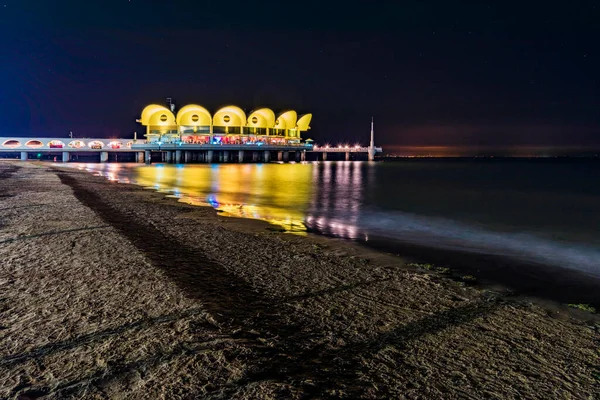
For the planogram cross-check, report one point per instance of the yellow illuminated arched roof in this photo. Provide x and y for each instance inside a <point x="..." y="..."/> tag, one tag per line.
<point x="186" y="116"/>
<point x="303" y="122"/>
<point x="237" y="117"/>
<point x="286" y="120"/>
<point x="162" y="117"/>
<point x="265" y="118"/>
<point x="151" y="110"/>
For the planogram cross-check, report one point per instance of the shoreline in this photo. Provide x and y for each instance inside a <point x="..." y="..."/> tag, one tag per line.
<point x="547" y="285"/>
<point x="159" y="298"/>
<point x="544" y="284"/>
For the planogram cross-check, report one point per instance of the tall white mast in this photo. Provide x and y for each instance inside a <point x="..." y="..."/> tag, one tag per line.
<point x="371" y="150"/>
<point x="372" y="144"/>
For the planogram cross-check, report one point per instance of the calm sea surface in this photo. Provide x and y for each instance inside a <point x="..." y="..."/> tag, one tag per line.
<point x="537" y="211"/>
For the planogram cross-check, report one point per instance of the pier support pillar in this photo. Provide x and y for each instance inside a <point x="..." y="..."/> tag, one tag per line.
<point x="226" y="156"/>
<point x="286" y="156"/>
<point x="280" y="156"/>
<point x="66" y="156"/>
<point x="241" y="156"/>
<point x="371" y="151"/>
<point x="209" y="156"/>
<point x="267" y="156"/>
<point x="303" y="156"/>
<point x="324" y="156"/>
<point x="187" y="156"/>
<point x="139" y="156"/>
<point x="297" y="156"/>
<point x="103" y="156"/>
<point x="347" y="156"/>
<point x="169" y="158"/>
<point x="24" y="156"/>
<point x="255" y="156"/>
<point x="177" y="156"/>
<point x="148" y="157"/>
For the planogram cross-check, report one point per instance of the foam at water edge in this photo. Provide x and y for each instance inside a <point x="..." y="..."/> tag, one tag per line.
<point x="447" y="234"/>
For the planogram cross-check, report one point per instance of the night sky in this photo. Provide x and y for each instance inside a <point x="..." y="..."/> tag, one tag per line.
<point x="431" y="73"/>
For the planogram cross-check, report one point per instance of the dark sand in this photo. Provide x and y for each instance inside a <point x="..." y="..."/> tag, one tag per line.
<point x="110" y="291"/>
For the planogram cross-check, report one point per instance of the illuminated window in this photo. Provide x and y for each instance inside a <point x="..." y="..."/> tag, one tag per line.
<point x="96" y="144"/>
<point x="77" y="144"/>
<point x="195" y="118"/>
<point x="254" y="120"/>
<point x="226" y="118"/>
<point x="163" y="117"/>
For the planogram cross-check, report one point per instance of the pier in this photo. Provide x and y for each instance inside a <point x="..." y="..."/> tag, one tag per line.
<point x="103" y="150"/>
<point x="195" y="135"/>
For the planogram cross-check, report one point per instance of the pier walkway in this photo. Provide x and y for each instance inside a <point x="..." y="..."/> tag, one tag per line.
<point x="178" y="152"/>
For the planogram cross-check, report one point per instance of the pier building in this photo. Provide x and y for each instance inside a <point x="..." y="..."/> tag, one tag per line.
<point x="193" y="134"/>
<point x="194" y="124"/>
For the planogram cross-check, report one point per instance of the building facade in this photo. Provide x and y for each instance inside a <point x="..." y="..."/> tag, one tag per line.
<point x="194" y="124"/>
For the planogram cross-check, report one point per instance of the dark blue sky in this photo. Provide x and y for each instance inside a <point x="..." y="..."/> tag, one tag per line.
<point x="432" y="73"/>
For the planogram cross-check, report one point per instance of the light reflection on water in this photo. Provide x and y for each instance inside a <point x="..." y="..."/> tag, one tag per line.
<point x="546" y="213"/>
<point x="279" y="194"/>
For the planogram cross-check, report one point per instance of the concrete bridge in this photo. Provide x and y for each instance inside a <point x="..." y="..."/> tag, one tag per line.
<point x="177" y="152"/>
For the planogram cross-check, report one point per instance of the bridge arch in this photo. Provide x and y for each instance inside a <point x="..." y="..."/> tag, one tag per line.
<point x="34" y="144"/>
<point x="96" y="144"/>
<point x="56" y="144"/>
<point x="11" y="143"/>
<point x="115" y="144"/>
<point x="76" y="144"/>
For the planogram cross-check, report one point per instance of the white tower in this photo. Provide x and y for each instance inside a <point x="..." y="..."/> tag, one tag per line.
<point x="171" y="104"/>
<point x="371" y="149"/>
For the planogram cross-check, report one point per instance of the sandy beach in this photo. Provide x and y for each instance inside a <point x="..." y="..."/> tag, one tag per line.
<point x="110" y="291"/>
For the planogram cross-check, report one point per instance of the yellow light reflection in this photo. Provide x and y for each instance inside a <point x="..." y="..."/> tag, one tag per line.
<point x="278" y="194"/>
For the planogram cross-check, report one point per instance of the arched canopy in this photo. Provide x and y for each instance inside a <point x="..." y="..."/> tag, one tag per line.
<point x="263" y="118"/>
<point x="303" y="122"/>
<point x="193" y="115"/>
<point x="11" y="143"/>
<point x="150" y="111"/>
<point x="230" y="116"/>
<point x="286" y="120"/>
<point x="34" y="143"/>
<point x="162" y="118"/>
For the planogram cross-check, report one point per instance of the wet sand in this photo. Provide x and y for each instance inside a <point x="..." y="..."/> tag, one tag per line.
<point x="530" y="281"/>
<point x="112" y="291"/>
